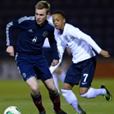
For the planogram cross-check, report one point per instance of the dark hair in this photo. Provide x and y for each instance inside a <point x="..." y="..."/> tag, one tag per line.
<point x="43" y="4"/>
<point x="60" y="13"/>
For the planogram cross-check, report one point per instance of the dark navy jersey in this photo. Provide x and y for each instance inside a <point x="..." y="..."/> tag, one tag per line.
<point x="31" y="36"/>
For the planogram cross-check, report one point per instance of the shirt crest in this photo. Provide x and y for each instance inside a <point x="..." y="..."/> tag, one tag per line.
<point x="45" y="33"/>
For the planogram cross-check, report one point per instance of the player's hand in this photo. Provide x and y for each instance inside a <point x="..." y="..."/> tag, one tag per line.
<point x="10" y="50"/>
<point x="105" y="53"/>
<point x="54" y="62"/>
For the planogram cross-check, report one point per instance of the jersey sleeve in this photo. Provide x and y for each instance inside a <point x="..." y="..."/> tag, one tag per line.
<point x="53" y="44"/>
<point x="17" y="23"/>
<point x="76" y="33"/>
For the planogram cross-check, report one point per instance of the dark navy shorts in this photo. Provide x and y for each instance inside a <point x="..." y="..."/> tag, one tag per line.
<point x="33" y="65"/>
<point x="81" y="73"/>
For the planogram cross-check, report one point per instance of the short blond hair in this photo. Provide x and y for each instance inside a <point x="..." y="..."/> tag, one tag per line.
<point x="43" y="4"/>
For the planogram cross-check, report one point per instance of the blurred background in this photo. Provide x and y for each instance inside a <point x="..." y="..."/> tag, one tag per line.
<point x="94" y="17"/>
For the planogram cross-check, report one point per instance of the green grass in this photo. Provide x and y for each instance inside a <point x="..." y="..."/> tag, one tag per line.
<point x="17" y="93"/>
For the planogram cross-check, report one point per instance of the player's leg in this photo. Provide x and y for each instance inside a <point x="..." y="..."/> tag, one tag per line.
<point x="28" y="74"/>
<point x="48" y="53"/>
<point x="72" y="100"/>
<point x="64" y="66"/>
<point x="58" y="74"/>
<point x="54" y="96"/>
<point x="55" y="78"/>
<point x="35" y="94"/>
<point x="93" y="92"/>
<point x="58" y="77"/>
<point x="46" y="77"/>
<point x="71" y="79"/>
<point x="86" y="90"/>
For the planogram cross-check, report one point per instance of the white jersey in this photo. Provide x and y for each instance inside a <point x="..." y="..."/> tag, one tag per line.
<point x="82" y="46"/>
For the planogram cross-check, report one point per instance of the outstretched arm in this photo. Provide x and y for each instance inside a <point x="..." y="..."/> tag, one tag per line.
<point x="105" y="53"/>
<point x="81" y="35"/>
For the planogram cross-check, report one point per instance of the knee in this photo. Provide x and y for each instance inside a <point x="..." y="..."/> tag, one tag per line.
<point x="83" y="90"/>
<point x="67" y="86"/>
<point x="53" y="94"/>
<point x="32" y="83"/>
<point x="85" y="95"/>
<point x="52" y="90"/>
<point x="34" y="89"/>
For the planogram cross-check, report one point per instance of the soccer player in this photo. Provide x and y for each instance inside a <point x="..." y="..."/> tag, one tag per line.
<point x="48" y="53"/>
<point x="29" y="58"/>
<point x="81" y="71"/>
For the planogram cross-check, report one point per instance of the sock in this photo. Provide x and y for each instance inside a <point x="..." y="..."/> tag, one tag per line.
<point x="71" y="99"/>
<point x="62" y="76"/>
<point x="37" y="99"/>
<point x="55" y="78"/>
<point x="55" y="98"/>
<point x="92" y="93"/>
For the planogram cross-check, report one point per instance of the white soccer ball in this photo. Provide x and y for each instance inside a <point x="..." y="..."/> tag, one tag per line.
<point x="12" y="110"/>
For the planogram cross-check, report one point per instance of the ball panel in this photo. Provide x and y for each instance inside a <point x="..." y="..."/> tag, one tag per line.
<point x="12" y="110"/>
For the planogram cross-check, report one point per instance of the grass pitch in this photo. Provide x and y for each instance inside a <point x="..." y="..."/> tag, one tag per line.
<point x="14" y="92"/>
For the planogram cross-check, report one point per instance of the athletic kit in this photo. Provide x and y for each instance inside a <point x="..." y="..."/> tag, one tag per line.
<point x="29" y="44"/>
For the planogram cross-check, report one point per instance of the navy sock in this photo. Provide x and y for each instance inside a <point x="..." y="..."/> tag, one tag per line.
<point x="55" y="98"/>
<point x="37" y="99"/>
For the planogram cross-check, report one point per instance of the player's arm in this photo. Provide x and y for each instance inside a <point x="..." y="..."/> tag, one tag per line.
<point x="17" y="23"/>
<point x="9" y="37"/>
<point x="104" y="53"/>
<point x="81" y="35"/>
<point x="53" y="46"/>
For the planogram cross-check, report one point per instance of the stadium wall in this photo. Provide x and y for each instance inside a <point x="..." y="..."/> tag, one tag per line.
<point x="105" y="69"/>
<point x="8" y="70"/>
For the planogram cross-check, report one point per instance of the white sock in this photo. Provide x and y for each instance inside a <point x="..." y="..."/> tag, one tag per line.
<point x="71" y="99"/>
<point x="55" y="78"/>
<point x="92" y="93"/>
<point x="62" y="76"/>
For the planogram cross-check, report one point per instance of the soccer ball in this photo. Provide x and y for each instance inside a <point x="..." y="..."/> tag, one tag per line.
<point x="12" y="110"/>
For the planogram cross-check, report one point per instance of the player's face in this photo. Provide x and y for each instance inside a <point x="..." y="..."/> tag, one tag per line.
<point x="58" y="21"/>
<point x="40" y="16"/>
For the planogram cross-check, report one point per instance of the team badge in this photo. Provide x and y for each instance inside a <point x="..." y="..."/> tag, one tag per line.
<point x="45" y="33"/>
